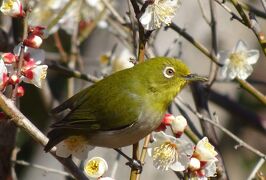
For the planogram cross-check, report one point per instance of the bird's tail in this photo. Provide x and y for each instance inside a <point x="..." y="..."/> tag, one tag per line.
<point x="55" y="136"/>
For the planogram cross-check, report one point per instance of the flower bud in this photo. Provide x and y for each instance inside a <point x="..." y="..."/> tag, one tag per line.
<point x="38" y="31"/>
<point x="33" y="41"/>
<point x="8" y="58"/>
<point x="178" y="125"/>
<point x="14" y="79"/>
<point x="194" y="164"/>
<point x="20" y="91"/>
<point x="12" y="8"/>
<point x="168" y="118"/>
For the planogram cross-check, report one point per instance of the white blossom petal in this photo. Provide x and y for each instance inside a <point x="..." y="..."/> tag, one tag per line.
<point x="252" y="56"/>
<point x="210" y="169"/>
<point x="161" y="11"/>
<point x="168" y="152"/>
<point x="74" y="145"/>
<point x="240" y="47"/>
<point x="205" y="151"/>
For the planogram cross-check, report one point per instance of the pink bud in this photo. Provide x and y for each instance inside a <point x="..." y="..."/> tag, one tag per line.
<point x="8" y="58"/>
<point x="20" y="91"/>
<point x="14" y="79"/>
<point x="178" y="125"/>
<point x="194" y="164"/>
<point x="168" y="118"/>
<point x="33" y="41"/>
<point x="38" y="31"/>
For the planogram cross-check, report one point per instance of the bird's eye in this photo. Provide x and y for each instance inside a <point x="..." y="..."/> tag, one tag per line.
<point x="169" y="72"/>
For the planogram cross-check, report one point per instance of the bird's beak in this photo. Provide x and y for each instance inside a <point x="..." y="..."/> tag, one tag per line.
<point x="195" y="77"/>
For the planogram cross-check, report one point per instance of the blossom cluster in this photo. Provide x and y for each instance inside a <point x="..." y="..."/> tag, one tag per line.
<point x="24" y="63"/>
<point x="175" y="153"/>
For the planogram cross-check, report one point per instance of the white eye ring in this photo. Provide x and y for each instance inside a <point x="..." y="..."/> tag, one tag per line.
<point x="169" y="72"/>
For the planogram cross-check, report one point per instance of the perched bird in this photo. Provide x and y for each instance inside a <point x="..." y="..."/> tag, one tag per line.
<point x="124" y="107"/>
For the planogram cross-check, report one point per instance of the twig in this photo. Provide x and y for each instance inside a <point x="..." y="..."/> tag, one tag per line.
<point x="144" y="152"/>
<point x="74" y="49"/>
<point x="213" y="25"/>
<point x="21" y="53"/>
<point x="263" y="2"/>
<point x="113" y="11"/>
<point x="234" y="16"/>
<point x="44" y="168"/>
<point x="60" y="47"/>
<point x="256" y="169"/>
<point x="257" y="94"/>
<point x="248" y="22"/>
<point x="71" y="73"/>
<point x="226" y="131"/>
<point x="21" y="121"/>
<point x="199" y="46"/>
<point x="59" y="15"/>
<point x="250" y="8"/>
<point x="203" y="12"/>
<point x="135" y="155"/>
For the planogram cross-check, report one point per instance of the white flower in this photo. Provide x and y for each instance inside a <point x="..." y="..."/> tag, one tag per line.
<point x="178" y="125"/>
<point x="36" y="75"/>
<point x="205" y="171"/>
<point x="122" y="62"/>
<point x="95" y="167"/>
<point x="205" y="151"/>
<point x="12" y="8"/>
<point x="3" y="75"/>
<point x="161" y="11"/>
<point x="169" y="152"/>
<point x="239" y="62"/>
<point x="75" y="145"/>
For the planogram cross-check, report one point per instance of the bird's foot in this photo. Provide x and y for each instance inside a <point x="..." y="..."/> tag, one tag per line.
<point x="135" y="164"/>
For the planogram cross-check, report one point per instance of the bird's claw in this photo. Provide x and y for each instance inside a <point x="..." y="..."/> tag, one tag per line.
<point x="135" y="164"/>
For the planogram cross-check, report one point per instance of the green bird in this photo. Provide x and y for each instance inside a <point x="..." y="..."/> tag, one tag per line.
<point x="124" y="107"/>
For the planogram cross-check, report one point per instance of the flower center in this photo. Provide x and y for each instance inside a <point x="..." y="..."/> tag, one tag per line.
<point x="92" y="167"/>
<point x="73" y="143"/>
<point x="237" y="60"/>
<point x="165" y="155"/>
<point x="8" y="5"/>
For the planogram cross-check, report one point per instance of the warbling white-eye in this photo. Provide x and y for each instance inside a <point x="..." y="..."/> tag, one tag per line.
<point x="124" y="107"/>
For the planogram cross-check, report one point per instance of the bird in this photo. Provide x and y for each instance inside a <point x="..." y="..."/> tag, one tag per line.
<point x="124" y="107"/>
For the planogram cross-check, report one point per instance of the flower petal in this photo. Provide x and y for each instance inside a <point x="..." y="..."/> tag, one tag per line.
<point x="95" y="167"/>
<point x="253" y="56"/>
<point x="240" y="47"/>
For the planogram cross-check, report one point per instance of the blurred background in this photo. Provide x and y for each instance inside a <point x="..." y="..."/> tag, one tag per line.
<point x="106" y="40"/>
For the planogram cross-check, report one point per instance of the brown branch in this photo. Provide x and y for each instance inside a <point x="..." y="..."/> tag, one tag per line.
<point x="199" y="46"/>
<point x="21" y="121"/>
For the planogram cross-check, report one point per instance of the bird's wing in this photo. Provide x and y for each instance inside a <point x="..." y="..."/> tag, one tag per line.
<point x="103" y="106"/>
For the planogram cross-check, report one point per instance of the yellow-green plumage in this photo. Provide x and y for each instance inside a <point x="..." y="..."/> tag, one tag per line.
<point x="122" y="108"/>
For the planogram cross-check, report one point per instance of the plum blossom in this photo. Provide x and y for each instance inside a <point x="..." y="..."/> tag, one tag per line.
<point x="170" y="153"/>
<point x="95" y="168"/>
<point x="202" y="164"/>
<point x="239" y="62"/>
<point x="12" y="8"/>
<point x="74" y="145"/>
<point x="158" y="12"/>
